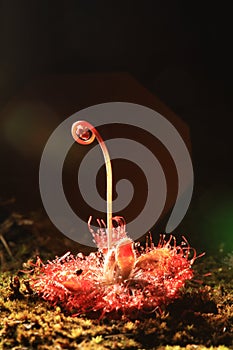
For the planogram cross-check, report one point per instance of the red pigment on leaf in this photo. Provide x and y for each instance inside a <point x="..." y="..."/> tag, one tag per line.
<point x="119" y="279"/>
<point x="79" y="284"/>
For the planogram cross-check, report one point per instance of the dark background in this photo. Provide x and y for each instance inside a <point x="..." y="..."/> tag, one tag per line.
<point x="180" y="51"/>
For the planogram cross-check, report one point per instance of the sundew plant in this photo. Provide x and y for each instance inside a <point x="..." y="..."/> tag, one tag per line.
<point x="121" y="277"/>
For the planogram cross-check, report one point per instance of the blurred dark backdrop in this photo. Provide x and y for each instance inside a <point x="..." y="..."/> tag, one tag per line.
<point x="180" y="51"/>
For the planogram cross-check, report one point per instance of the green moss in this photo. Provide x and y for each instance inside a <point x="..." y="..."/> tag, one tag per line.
<point x="201" y="319"/>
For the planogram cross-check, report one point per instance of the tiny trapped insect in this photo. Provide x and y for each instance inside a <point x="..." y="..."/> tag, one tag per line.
<point x="120" y="278"/>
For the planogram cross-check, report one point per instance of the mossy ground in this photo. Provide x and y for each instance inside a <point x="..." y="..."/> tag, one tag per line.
<point x="202" y="317"/>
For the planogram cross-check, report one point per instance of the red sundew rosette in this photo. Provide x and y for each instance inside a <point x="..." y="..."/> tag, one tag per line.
<point x="155" y="280"/>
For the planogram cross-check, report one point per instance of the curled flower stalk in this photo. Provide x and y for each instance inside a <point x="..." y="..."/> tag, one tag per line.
<point x="120" y="256"/>
<point x="85" y="133"/>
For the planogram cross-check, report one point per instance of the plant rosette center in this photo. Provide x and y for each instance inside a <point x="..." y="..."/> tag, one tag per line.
<point x="123" y="281"/>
